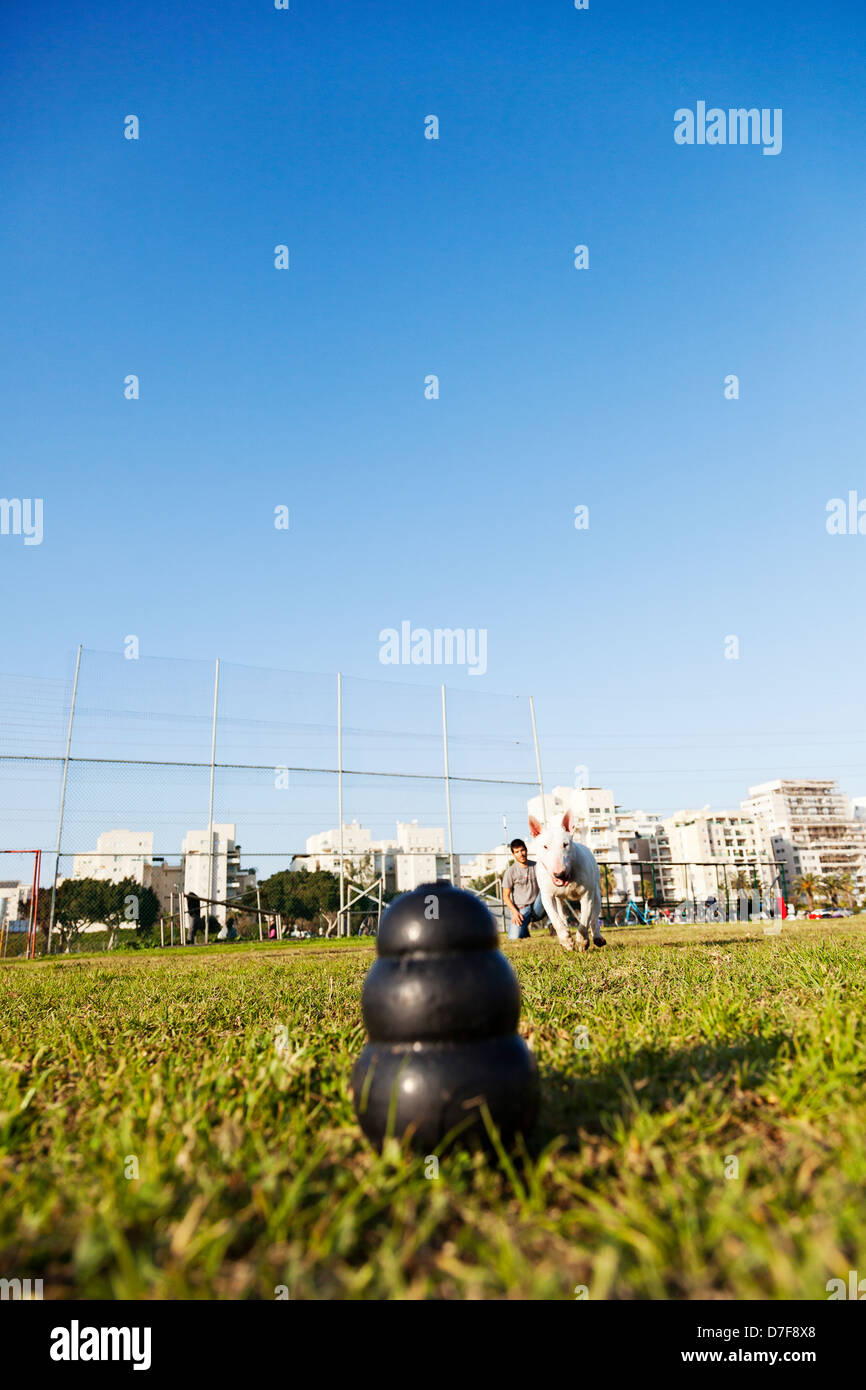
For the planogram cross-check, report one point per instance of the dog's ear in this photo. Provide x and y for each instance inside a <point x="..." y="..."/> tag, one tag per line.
<point x="567" y="822"/>
<point x="534" y="827"/>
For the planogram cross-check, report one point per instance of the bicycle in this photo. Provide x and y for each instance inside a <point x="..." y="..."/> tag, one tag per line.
<point x="627" y="916"/>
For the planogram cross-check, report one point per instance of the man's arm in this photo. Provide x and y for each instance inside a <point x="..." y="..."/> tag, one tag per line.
<point x="516" y="914"/>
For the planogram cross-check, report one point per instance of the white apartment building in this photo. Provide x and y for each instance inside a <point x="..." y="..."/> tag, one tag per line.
<point x="808" y="825"/>
<point x="212" y="870"/>
<point x="701" y="853"/>
<point x="495" y="861"/>
<point x="420" y="856"/>
<point x="359" y="848"/>
<point x="858" y="808"/>
<point x="357" y="841"/>
<point x="639" y="824"/>
<point x="119" y="854"/>
<point x="416" y="856"/>
<point x="14" y="896"/>
<point x="413" y="838"/>
<point x="642" y="838"/>
<point x="415" y="869"/>
<point x="124" y="854"/>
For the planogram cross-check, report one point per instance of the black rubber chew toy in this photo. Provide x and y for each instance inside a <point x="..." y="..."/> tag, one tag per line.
<point x="441" y="1005"/>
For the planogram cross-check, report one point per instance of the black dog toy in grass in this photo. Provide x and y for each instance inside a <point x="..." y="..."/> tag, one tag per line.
<point x="441" y="1006"/>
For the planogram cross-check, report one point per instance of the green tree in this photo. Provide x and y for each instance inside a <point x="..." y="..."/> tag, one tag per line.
<point x="807" y="886"/>
<point x="85" y="902"/>
<point x="486" y="881"/>
<point x="127" y="904"/>
<point x="362" y="871"/>
<point x="299" y="896"/>
<point x="832" y="886"/>
<point x="77" y="904"/>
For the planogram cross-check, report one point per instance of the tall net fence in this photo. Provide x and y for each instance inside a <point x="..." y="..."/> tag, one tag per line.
<point x="181" y="801"/>
<point x="182" y="779"/>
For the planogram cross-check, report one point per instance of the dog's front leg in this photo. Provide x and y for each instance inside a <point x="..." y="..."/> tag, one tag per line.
<point x="596" y="921"/>
<point x="556" y="913"/>
<point x="585" y="918"/>
<point x="590" y="912"/>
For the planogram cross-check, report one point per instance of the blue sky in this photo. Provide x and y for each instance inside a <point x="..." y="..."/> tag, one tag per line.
<point x="557" y="387"/>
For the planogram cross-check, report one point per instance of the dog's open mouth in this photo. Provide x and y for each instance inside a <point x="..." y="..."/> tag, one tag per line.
<point x="560" y="880"/>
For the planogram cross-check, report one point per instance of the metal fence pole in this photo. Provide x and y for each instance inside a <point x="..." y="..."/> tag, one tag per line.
<point x="757" y="891"/>
<point x="63" y="799"/>
<point x="447" y="789"/>
<point x="537" y="759"/>
<point x="210" y="887"/>
<point x="340" y="791"/>
<point x="34" y="904"/>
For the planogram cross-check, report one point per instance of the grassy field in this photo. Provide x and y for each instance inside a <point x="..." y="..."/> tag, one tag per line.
<point x="669" y="1061"/>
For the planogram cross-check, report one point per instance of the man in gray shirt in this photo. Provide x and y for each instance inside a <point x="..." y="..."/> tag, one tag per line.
<point x="520" y="891"/>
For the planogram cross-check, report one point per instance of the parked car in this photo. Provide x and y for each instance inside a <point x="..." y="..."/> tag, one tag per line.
<point x="820" y="912"/>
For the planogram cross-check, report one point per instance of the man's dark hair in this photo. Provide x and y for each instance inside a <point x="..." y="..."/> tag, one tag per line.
<point x="517" y="844"/>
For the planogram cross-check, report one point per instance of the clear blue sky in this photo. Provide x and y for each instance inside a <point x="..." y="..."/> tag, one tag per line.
<point x="454" y="257"/>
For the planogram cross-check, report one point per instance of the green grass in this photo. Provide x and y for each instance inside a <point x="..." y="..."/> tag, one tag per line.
<point x="706" y="1044"/>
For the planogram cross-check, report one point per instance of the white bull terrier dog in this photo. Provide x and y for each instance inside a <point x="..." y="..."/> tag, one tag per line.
<point x="566" y="869"/>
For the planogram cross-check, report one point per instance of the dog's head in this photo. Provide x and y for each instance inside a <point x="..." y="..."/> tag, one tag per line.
<point x="554" y="842"/>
